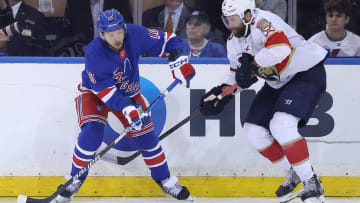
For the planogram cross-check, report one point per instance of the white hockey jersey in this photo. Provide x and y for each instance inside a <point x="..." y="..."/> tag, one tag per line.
<point x="347" y="47"/>
<point x="279" y="51"/>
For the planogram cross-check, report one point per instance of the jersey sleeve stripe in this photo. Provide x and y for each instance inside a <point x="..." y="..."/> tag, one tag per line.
<point x="106" y="93"/>
<point x="232" y="69"/>
<point x="277" y="38"/>
<point x="281" y="67"/>
<point x="83" y="89"/>
<point x="275" y="45"/>
<point x="167" y="37"/>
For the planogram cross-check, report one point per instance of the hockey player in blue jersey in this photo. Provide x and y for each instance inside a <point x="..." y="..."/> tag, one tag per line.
<point x="110" y="82"/>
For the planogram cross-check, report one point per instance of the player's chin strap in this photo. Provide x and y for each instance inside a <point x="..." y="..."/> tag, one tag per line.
<point x="247" y="26"/>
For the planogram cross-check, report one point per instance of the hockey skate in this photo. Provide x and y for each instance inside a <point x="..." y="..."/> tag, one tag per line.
<point x="69" y="192"/>
<point x="171" y="187"/>
<point x="285" y="191"/>
<point x="313" y="191"/>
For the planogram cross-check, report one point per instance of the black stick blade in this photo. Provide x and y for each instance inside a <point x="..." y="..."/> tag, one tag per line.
<point x="25" y="199"/>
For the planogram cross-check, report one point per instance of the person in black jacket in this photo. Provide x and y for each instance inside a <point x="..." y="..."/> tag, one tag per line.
<point x="158" y="17"/>
<point x="23" y="29"/>
<point x="80" y="16"/>
<point x="80" y="28"/>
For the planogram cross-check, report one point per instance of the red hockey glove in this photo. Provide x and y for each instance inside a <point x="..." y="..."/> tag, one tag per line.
<point x="182" y="70"/>
<point x="133" y="115"/>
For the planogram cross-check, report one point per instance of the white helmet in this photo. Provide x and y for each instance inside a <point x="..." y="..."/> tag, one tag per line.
<point x="238" y="7"/>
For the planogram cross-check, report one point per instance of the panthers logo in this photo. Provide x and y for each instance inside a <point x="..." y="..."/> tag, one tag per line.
<point x="269" y="73"/>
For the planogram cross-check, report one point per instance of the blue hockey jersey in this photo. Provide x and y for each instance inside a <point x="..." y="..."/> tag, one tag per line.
<point x="114" y="76"/>
<point x="211" y="49"/>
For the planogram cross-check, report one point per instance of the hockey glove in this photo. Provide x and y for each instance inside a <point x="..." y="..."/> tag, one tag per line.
<point x="210" y="104"/>
<point x="245" y="76"/>
<point x="134" y="115"/>
<point x="182" y="70"/>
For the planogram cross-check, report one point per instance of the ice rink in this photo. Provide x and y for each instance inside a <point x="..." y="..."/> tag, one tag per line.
<point x="200" y="200"/>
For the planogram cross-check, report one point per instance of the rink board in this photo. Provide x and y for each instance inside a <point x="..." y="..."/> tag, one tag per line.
<point x="40" y="128"/>
<point x="146" y="187"/>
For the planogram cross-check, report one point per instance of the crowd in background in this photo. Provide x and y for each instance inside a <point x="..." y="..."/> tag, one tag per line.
<point x="333" y="24"/>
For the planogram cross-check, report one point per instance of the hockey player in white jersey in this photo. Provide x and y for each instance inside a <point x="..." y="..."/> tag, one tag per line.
<point x="336" y="39"/>
<point x="263" y="45"/>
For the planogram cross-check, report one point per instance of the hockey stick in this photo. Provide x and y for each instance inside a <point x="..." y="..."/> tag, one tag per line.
<point x="126" y="160"/>
<point x="25" y="199"/>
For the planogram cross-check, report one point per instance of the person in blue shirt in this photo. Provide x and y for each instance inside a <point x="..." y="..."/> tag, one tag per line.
<point x="196" y="44"/>
<point x="110" y="82"/>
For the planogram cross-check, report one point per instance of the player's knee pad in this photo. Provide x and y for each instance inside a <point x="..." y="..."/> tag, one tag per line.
<point x="284" y="127"/>
<point x="91" y="136"/>
<point x="257" y="136"/>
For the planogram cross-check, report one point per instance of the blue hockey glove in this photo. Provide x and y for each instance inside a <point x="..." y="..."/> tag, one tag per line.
<point x="134" y="114"/>
<point x="245" y="76"/>
<point x="182" y="70"/>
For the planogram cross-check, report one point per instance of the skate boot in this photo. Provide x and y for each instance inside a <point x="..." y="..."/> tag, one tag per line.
<point x="285" y="191"/>
<point x="171" y="187"/>
<point x="313" y="191"/>
<point x="69" y="192"/>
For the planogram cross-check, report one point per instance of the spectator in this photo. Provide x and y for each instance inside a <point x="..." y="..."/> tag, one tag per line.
<point x="196" y="45"/>
<point x="221" y="33"/>
<point x="26" y="35"/>
<point x="81" y="26"/>
<point x="279" y="7"/>
<point x="158" y="17"/>
<point x="336" y="39"/>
